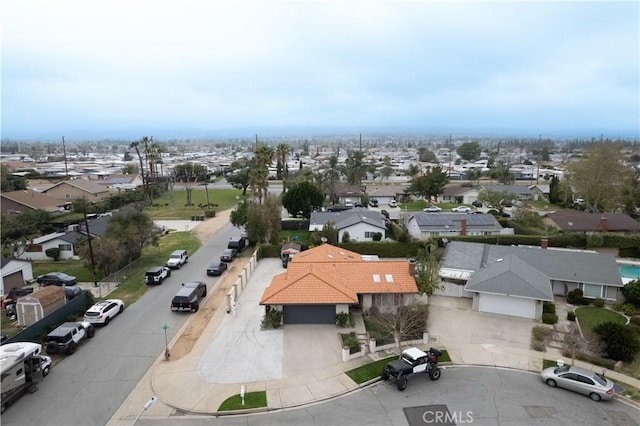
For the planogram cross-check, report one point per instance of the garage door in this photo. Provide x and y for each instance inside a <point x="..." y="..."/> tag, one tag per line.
<point x="310" y="314"/>
<point x="514" y="306"/>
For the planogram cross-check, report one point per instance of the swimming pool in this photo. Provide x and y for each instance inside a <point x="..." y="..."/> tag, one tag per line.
<point x="630" y="271"/>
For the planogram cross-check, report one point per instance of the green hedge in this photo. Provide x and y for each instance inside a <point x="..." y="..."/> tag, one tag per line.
<point x="628" y="245"/>
<point x="549" y="318"/>
<point x="382" y="249"/>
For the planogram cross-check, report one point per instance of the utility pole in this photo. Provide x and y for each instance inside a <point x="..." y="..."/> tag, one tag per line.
<point x="539" y="157"/>
<point x="93" y="262"/>
<point x="64" y="153"/>
<point x="449" y="173"/>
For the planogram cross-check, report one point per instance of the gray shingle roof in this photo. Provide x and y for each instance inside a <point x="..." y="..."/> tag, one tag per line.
<point x="514" y="189"/>
<point x="348" y="218"/>
<point x="453" y="219"/>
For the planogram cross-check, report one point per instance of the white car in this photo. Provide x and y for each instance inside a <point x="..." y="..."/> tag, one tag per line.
<point x="102" y="312"/>
<point x="393" y="203"/>
<point x="432" y="209"/>
<point x="461" y="209"/>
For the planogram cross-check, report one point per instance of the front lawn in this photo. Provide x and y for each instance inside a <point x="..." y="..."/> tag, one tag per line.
<point x="251" y="400"/>
<point x="75" y="268"/>
<point x="591" y="316"/>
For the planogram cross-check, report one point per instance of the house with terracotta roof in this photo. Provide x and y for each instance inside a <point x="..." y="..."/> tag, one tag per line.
<point x="577" y="221"/>
<point x="26" y="200"/>
<point x="324" y="281"/>
<point x="361" y="224"/>
<point x="76" y="189"/>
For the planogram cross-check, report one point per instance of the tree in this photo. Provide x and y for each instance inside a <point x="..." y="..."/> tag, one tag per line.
<point x="190" y="172"/>
<point x="11" y="182"/>
<point x="240" y="179"/>
<point x="385" y="172"/>
<point x="502" y="172"/>
<point x="134" y="230"/>
<point x="282" y="151"/>
<point x="469" y="151"/>
<point x="426" y="156"/>
<point x="554" y="190"/>
<point x="599" y="177"/>
<point x="302" y="198"/>
<point x="263" y="220"/>
<point x="621" y="343"/>
<point x="494" y="199"/>
<point x="575" y="345"/>
<point x="630" y="194"/>
<point x="332" y="176"/>
<point x="259" y="173"/>
<point x="328" y="231"/>
<point x="427" y="271"/>
<point x="405" y="322"/>
<point x="428" y="185"/>
<point x="412" y="170"/>
<point x="631" y="292"/>
<point x="145" y="180"/>
<point x="19" y="229"/>
<point x="474" y="174"/>
<point x="238" y="217"/>
<point x="130" y="169"/>
<point x="354" y="167"/>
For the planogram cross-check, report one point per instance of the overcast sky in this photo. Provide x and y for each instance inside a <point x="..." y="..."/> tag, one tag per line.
<point x="112" y="69"/>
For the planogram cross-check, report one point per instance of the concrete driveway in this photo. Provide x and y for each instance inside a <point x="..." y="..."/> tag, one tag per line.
<point x="451" y="321"/>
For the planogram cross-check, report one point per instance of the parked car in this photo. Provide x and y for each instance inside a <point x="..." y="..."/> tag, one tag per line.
<point x="412" y="361"/>
<point x="216" y="268"/>
<point x="228" y="255"/>
<point x="477" y="203"/>
<point x="102" y="312"/>
<point x="432" y="209"/>
<point x="337" y="208"/>
<point x="45" y="364"/>
<point x="373" y="202"/>
<point x="358" y="204"/>
<point x="580" y="380"/>
<point x="177" y="259"/>
<point x="67" y="336"/>
<point x="505" y="214"/>
<point x="393" y="203"/>
<point x="56" y="278"/>
<point x="189" y="296"/>
<point x="71" y="291"/>
<point x="157" y="274"/>
<point x="461" y="209"/>
<point x="237" y="243"/>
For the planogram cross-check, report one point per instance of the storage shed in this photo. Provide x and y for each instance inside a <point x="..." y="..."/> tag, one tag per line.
<point x="32" y="308"/>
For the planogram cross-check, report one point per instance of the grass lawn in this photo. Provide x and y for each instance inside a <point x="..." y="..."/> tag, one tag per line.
<point x="251" y="400"/>
<point x="299" y="236"/>
<point x="172" y="204"/>
<point x="75" y="268"/>
<point x="591" y="316"/>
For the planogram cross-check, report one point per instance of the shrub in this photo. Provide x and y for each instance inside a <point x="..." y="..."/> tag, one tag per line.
<point x="549" y="318"/>
<point x="627" y="308"/>
<point x="342" y="319"/>
<point x="571" y="316"/>
<point x="621" y="342"/>
<point x="633" y="327"/>
<point x="351" y="341"/>
<point x="595" y="240"/>
<point x="377" y="236"/>
<point x="631" y="292"/>
<point x="540" y="336"/>
<point x="272" y="319"/>
<point x="346" y="237"/>
<point x="635" y="321"/>
<point x="599" y="302"/>
<point x="209" y="213"/>
<point x="575" y="297"/>
<point x="548" y="308"/>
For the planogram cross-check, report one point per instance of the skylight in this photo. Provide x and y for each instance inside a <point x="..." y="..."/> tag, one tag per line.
<point x="388" y="277"/>
<point x="376" y="278"/>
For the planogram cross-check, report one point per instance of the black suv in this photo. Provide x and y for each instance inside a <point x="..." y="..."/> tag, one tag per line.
<point x="237" y="243"/>
<point x="156" y="274"/>
<point x="189" y="296"/>
<point x="67" y="337"/>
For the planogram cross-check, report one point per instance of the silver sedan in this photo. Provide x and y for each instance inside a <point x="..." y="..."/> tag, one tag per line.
<point x="579" y="380"/>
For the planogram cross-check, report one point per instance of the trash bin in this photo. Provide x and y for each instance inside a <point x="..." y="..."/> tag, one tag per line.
<point x="193" y="218"/>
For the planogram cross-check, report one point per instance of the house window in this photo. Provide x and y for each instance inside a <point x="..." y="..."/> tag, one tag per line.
<point x="34" y="248"/>
<point x="67" y="196"/>
<point x="369" y="234"/>
<point x="65" y="247"/>
<point x="592" y="290"/>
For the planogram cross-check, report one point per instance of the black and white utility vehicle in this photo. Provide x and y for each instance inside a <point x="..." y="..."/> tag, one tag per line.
<point x="67" y="337"/>
<point x="157" y="274"/>
<point x="412" y="361"/>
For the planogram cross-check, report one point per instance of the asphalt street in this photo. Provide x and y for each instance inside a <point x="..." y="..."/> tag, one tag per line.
<point x="463" y="395"/>
<point x="87" y="387"/>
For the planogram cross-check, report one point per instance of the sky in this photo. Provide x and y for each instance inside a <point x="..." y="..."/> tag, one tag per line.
<point x="186" y="69"/>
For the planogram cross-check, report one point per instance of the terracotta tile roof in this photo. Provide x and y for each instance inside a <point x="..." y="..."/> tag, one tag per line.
<point x="326" y="281"/>
<point x="327" y="253"/>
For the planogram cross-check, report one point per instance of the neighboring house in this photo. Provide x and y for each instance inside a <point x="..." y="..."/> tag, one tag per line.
<point x="15" y="273"/>
<point x="427" y="225"/>
<point x="327" y="280"/>
<point x="459" y="194"/>
<point x="522" y="192"/>
<point x="589" y="223"/>
<point x="516" y="280"/>
<point x="540" y="192"/>
<point x="384" y="194"/>
<point x="76" y="189"/>
<point x="344" y="192"/>
<point x="26" y="200"/>
<point x="65" y="241"/>
<point x="361" y="224"/>
<point x="37" y="305"/>
<point x="39" y="185"/>
<point x="119" y="181"/>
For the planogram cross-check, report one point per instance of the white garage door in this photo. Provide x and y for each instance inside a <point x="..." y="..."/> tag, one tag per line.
<point x="514" y="306"/>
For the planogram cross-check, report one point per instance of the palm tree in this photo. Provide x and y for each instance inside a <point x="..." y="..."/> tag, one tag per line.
<point x="136" y="145"/>
<point x="282" y="151"/>
<point x="259" y="174"/>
